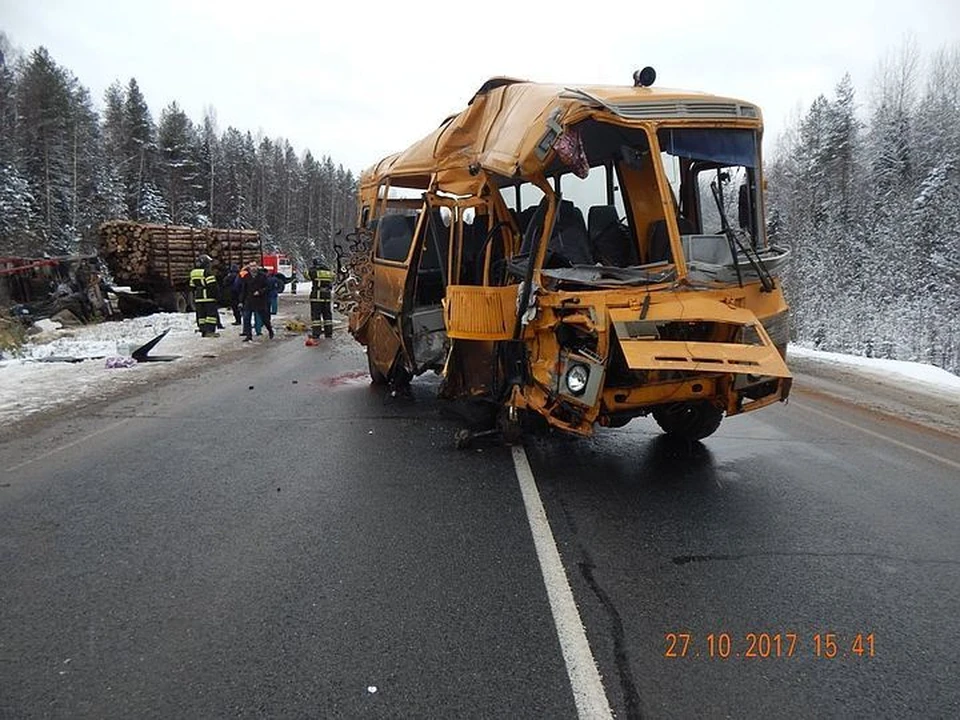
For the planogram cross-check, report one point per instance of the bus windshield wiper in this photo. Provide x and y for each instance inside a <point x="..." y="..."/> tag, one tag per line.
<point x="766" y="280"/>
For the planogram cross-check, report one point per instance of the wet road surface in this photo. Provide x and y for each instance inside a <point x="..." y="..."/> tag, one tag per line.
<point x="276" y="538"/>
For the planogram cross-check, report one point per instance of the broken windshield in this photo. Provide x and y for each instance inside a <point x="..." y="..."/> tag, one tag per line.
<point x="694" y="159"/>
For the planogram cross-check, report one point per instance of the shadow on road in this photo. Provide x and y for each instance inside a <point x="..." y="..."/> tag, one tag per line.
<point x="629" y="461"/>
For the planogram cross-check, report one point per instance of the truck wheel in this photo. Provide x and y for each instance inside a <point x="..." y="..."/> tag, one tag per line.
<point x="689" y="420"/>
<point x="168" y="301"/>
<point x="184" y="302"/>
<point x="376" y="377"/>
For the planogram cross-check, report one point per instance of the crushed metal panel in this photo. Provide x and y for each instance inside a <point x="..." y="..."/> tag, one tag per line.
<point x="388" y="285"/>
<point x="635" y="329"/>
<point x="480" y="313"/>
<point x="704" y="357"/>
<point x="690" y="309"/>
<point x="383" y="343"/>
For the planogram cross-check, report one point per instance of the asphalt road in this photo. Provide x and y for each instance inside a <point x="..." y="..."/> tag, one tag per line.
<point x="275" y="538"/>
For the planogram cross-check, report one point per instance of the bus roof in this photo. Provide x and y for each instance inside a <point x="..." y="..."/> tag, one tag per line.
<point x="507" y="119"/>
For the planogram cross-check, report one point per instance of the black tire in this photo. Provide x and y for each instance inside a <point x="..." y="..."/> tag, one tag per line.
<point x="376" y="377"/>
<point x="184" y="301"/>
<point x="688" y="420"/>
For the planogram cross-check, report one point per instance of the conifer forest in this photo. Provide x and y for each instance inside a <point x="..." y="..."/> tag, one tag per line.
<point x="864" y="188"/>
<point x="66" y="166"/>
<point x="866" y="192"/>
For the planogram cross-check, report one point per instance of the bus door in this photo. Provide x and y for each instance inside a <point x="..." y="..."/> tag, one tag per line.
<point x="424" y="332"/>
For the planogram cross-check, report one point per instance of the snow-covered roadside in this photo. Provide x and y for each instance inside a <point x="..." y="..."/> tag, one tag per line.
<point x="915" y="391"/>
<point x="927" y="375"/>
<point x="29" y="386"/>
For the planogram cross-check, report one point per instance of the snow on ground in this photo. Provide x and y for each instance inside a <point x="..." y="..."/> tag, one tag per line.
<point x="29" y="385"/>
<point x="927" y="376"/>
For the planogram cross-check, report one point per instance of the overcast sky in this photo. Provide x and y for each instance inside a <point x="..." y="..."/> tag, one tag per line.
<point x="360" y="79"/>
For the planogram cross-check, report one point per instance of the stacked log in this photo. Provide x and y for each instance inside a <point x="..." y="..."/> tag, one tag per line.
<point x="139" y="253"/>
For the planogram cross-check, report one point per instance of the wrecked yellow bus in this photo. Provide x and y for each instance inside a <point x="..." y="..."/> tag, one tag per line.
<point x="582" y="254"/>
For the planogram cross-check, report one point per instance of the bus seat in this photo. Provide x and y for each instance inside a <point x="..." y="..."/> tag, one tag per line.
<point x="611" y="245"/>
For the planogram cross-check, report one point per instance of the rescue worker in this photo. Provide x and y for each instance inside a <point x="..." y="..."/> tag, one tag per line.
<point x="321" y="305"/>
<point x="205" y="296"/>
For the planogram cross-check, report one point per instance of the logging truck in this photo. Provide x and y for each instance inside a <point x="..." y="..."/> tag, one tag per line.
<point x="582" y="254"/>
<point x="156" y="260"/>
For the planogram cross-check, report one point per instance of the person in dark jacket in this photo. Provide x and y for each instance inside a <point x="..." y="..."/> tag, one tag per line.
<point x="231" y="293"/>
<point x="274" y="288"/>
<point x="255" y="290"/>
<point x="205" y="296"/>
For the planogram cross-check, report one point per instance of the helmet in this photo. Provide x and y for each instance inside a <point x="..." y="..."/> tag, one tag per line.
<point x="204" y="261"/>
<point x="317" y="262"/>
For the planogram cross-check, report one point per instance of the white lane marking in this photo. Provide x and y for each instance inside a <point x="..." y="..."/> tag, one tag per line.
<point x="69" y="445"/>
<point x="588" y="692"/>
<point x="887" y="438"/>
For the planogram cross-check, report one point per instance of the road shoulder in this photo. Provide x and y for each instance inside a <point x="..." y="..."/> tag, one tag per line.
<point x="926" y="405"/>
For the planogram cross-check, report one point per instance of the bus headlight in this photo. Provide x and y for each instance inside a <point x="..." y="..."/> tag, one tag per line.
<point x="577" y="377"/>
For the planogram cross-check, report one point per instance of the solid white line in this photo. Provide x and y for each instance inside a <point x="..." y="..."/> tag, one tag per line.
<point x="588" y="692"/>
<point x="887" y="438"/>
<point x="55" y="450"/>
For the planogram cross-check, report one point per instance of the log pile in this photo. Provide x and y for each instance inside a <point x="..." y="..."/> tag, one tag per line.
<point x="138" y="253"/>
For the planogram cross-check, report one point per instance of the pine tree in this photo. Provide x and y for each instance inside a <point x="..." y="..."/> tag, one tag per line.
<point x="178" y="166"/>
<point x="17" y="213"/>
<point x="91" y="185"/>
<point x="138" y="167"/>
<point x="8" y="105"/>
<point x="44" y="138"/>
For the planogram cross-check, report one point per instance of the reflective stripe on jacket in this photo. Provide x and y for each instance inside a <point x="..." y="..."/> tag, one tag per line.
<point x="201" y="281"/>
<point x="319" y="275"/>
<point x="322" y="280"/>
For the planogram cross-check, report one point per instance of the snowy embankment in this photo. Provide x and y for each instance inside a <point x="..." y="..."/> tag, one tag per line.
<point x="926" y="375"/>
<point x="30" y="383"/>
<point x="914" y="391"/>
